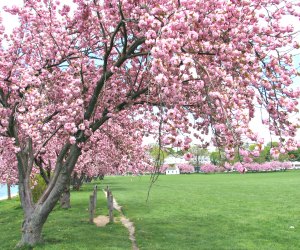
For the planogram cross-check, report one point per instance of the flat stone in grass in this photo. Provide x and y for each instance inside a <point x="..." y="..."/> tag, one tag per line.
<point x="101" y="221"/>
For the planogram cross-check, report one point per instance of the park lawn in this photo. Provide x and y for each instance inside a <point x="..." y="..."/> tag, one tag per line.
<point x="214" y="211"/>
<point x="66" y="229"/>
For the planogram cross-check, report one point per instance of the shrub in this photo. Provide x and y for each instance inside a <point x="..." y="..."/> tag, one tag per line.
<point x="262" y="167"/>
<point x="186" y="168"/>
<point x="208" y="168"/>
<point x="38" y="186"/>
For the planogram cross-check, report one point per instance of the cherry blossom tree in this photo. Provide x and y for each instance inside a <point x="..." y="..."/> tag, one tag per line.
<point x="268" y="166"/>
<point x="71" y="73"/>
<point x="186" y="168"/>
<point x="108" y="152"/>
<point x="245" y="167"/>
<point x="199" y="156"/>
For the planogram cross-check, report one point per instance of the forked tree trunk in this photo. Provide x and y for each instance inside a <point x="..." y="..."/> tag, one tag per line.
<point x="35" y="215"/>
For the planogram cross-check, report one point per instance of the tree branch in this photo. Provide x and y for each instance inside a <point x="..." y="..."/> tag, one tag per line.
<point x="107" y="75"/>
<point x="98" y="123"/>
<point x="39" y="162"/>
<point x="48" y="118"/>
<point x="58" y="167"/>
<point x="47" y="140"/>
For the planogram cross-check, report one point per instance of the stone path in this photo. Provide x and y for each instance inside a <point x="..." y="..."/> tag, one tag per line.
<point x="101" y="221"/>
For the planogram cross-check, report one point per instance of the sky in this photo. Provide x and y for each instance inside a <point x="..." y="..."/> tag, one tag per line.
<point x="11" y="21"/>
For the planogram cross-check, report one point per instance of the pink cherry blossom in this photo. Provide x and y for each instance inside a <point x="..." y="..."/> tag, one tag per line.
<point x="81" y="85"/>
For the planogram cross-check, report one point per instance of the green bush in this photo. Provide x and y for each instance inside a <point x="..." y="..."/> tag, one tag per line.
<point x="38" y="187"/>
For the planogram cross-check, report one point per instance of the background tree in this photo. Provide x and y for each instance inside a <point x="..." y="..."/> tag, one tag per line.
<point x="265" y="153"/>
<point x="199" y="156"/>
<point x="156" y="152"/>
<point x="294" y="155"/>
<point x="217" y="157"/>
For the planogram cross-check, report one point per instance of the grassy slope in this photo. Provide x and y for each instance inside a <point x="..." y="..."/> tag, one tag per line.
<point x="218" y="211"/>
<point x="221" y="211"/>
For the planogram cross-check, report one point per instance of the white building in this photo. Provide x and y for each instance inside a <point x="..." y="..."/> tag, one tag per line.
<point x="172" y="161"/>
<point x="172" y="170"/>
<point x="295" y="165"/>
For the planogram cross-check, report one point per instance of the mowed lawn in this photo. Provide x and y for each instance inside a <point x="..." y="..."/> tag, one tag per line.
<point x="66" y="229"/>
<point x="215" y="211"/>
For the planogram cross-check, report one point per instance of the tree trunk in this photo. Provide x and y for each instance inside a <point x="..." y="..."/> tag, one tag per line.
<point x="35" y="215"/>
<point x="8" y="191"/>
<point x="76" y="181"/>
<point x="31" y="231"/>
<point x="64" y="200"/>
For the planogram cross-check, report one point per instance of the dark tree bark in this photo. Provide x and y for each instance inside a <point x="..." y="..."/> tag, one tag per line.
<point x="35" y="215"/>
<point x="76" y="181"/>
<point x="45" y="174"/>
<point x="64" y="199"/>
<point x="32" y="230"/>
<point x="88" y="179"/>
<point x="8" y="191"/>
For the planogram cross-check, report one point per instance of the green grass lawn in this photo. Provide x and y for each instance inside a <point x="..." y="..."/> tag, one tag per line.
<point x="217" y="211"/>
<point x="66" y="229"/>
